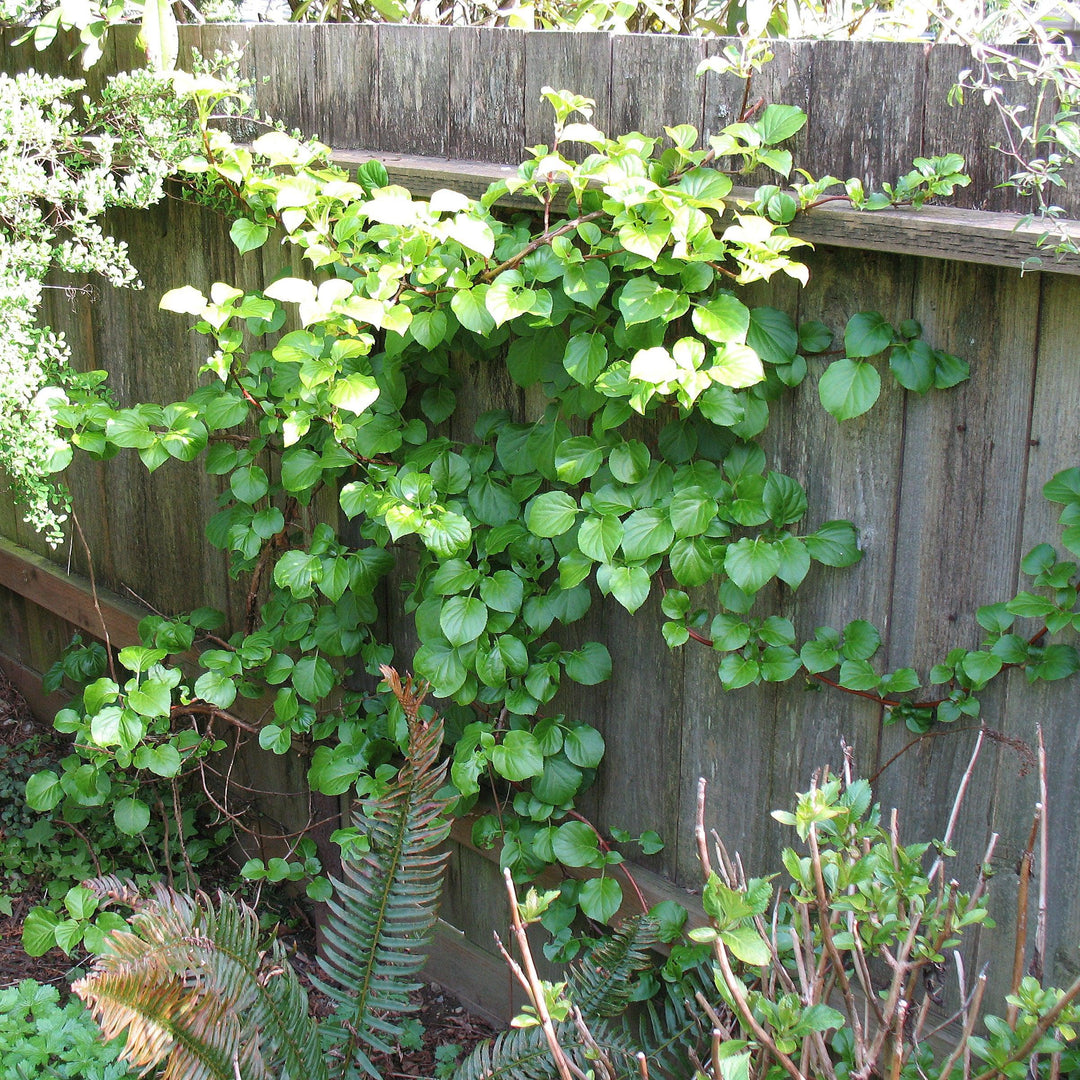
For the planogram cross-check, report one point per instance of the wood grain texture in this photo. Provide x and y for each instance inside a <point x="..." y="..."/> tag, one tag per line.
<point x="972" y="128"/>
<point x="654" y="83"/>
<point x="277" y="62"/>
<point x="853" y="130"/>
<point x="1054" y="444"/>
<point x="414" y="89"/>
<point x="487" y="95"/>
<point x="578" y="62"/>
<point x="349" y="56"/>
<point x="958" y="530"/>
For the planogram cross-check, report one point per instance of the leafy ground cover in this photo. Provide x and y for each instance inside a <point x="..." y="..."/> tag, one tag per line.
<point x="438" y="1034"/>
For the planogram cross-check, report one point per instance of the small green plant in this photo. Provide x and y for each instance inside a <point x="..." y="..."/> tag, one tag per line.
<point x="40" y="1039"/>
<point x="197" y="989"/>
<point x="98" y="816"/>
<point x="831" y="974"/>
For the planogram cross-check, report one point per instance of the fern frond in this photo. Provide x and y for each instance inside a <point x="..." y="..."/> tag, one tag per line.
<point x="195" y="1035"/>
<point x="671" y="1026"/>
<point x="212" y="961"/>
<point x="601" y="983"/>
<point x="517" y="1054"/>
<point x="384" y="909"/>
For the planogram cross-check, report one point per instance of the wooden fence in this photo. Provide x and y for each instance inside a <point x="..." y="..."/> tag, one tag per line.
<point x="946" y="489"/>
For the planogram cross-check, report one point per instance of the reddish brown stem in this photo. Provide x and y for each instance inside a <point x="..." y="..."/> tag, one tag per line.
<point x="606" y="847"/>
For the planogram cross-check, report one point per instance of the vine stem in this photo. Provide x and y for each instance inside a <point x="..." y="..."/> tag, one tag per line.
<point x="606" y="847"/>
<point x="530" y="982"/>
<point x="539" y="242"/>
<point x="197" y="709"/>
<point x="731" y="980"/>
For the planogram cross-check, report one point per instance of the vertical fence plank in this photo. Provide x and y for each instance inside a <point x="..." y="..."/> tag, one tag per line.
<point x="654" y="83"/>
<point x="1054" y="444"/>
<point x="414" y="90"/>
<point x="578" y="62"/>
<point x="487" y="95"/>
<point x="964" y="463"/>
<point x="278" y="61"/>
<point x="350" y="96"/>
<point x="854" y="130"/>
<point x="971" y="128"/>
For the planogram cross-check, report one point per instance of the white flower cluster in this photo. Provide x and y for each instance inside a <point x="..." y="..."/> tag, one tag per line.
<point x="63" y="163"/>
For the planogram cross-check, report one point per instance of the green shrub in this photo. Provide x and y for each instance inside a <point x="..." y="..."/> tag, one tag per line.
<point x="41" y="1038"/>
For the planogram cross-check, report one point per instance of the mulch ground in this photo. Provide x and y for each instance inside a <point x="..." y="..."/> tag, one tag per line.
<point x="443" y="1019"/>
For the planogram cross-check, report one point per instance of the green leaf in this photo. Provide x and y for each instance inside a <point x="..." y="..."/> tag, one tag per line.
<point x="1063" y="487"/>
<point x="779" y="663"/>
<point x="469" y="307"/>
<point x="836" y="543"/>
<point x="152" y="698"/>
<point x="43" y="791"/>
<point x="298" y="572"/>
<point x="600" y="898"/>
<point x="584" y="746"/>
<point x="629" y="461"/>
<point x="981" y="667"/>
<point x="301" y="469"/>
<point x="861" y="640"/>
<point x="779" y="122"/>
<point x="646" y="532"/>
<point x="691" y="561"/>
<point x="858" y="675"/>
<point x="794" y="560"/>
<point x="551" y="514"/>
<point x="746" y="944"/>
<point x="216" y="688"/>
<point x="912" y="362"/>
<point x="518" y="757"/>
<point x="821" y="1017"/>
<point x="814" y="336"/>
<point x="600" y="536"/>
<point x="587" y="282"/>
<point x="644" y="299"/>
<point x="356" y="393"/>
<point x="737" y="366"/>
<point x="751" y="563"/>
<point x="848" y="388"/>
<point x="162" y="760"/>
<point x="867" y="334"/>
<point x="577" y="459"/>
<point x="589" y="665"/>
<point x="576" y="844"/>
<point x="247" y="236"/>
<point x="463" y="619"/>
<point x="585" y="357"/>
<point x="736" y="671"/>
<point x="630" y="586"/>
<point x="131" y="816"/>
<point x="772" y="335"/>
<point x="784" y="499"/>
<point x="438" y="403"/>
<point x="39" y="931"/>
<point x="723" y="320"/>
<point x="503" y="591"/>
<point x="428" y="328"/>
<point x="818" y="656"/>
<point x="313" y="678"/>
<point x="441" y="666"/>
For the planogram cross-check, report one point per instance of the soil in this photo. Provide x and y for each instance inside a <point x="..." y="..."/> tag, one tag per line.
<point x="443" y="1020"/>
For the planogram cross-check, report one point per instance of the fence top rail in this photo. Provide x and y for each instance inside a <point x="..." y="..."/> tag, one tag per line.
<point x="975" y="236"/>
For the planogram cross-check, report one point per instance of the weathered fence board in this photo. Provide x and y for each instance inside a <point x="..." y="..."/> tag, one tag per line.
<point x="946" y="489"/>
